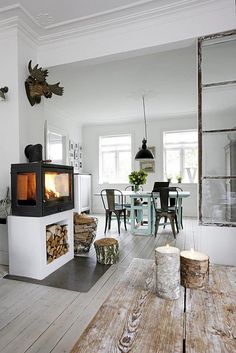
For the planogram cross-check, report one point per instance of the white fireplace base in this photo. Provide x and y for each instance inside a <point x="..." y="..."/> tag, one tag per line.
<point x="27" y="244"/>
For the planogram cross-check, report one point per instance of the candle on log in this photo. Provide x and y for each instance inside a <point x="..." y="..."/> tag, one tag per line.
<point x="167" y="272"/>
<point x="193" y="268"/>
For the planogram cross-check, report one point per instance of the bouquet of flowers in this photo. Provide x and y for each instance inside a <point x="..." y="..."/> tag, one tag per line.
<point x="138" y="178"/>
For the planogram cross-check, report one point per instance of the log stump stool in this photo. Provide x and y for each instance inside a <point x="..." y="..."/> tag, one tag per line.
<point x="107" y="250"/>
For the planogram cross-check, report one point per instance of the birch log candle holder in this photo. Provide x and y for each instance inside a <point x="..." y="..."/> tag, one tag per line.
<point x="193" y="268"/>
<point x="167" y="272"/>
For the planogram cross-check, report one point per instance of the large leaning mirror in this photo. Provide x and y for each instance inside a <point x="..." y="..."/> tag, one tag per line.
<point x="56" y="141"/>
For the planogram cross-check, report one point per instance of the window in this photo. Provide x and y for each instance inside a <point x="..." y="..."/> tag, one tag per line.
<point x="180" y="155"/>
<point x="114" y="158"/>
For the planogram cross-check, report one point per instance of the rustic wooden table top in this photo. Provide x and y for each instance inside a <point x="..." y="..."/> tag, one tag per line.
<point x="133" y="319"/>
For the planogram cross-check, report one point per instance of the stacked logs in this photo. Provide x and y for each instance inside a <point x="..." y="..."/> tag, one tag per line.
<point x="84" y="232"/>
<point x="56" y="241"/>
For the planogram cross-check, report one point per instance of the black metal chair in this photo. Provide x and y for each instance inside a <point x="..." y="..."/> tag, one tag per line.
<point x="173" y="202"/>
<point x="109" y="197"/>
<point x="160" y="184"/>
<point x="156" y="187"/>
<point x="165" y="210"/>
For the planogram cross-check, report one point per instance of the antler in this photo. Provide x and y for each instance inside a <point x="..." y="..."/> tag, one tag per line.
<point x="56" y="89"/>
<point x="38" y="73"/>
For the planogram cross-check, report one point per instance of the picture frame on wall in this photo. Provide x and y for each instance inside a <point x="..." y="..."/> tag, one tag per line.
<point x="76" y="154"/>
<point x="149" y="165"/>
<point x="71" y="145"/>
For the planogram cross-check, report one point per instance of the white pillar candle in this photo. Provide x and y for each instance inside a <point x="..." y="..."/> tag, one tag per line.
<point x="167" y="272"/>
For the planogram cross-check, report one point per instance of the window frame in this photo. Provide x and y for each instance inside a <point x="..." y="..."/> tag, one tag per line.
<point x="101" y="178"/>
<point x="180" y="149"/>
<point x="204" y="41"/>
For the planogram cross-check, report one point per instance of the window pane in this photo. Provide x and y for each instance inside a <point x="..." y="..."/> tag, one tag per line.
<point x="219" y="107"/>
<point x="108" y="166"/>
<point x="219" y="154"/>
<point x="173" y="167"/>
<point x="219" y="201"/>
<point x="124" y="161"/>
<point x="218" y="61"/>
<point x="180" y="137"/>
<point x="181" y="155"/>
<point x="115" y="140"/>
<point x="115" y="158"/>
<point x="190" y="165"/>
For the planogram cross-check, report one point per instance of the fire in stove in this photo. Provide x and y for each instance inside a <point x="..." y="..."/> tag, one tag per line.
<point x="56" y="185"/>
<point x="40" y="189"/>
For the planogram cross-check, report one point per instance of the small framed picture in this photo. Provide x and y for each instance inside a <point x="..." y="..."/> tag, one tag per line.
<point x="148" y="166"/>
<point x="76" y="154"/>
<point x="71" y="145"/>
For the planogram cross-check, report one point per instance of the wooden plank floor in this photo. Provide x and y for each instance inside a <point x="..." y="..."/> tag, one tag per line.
<point x="134" y="319"/>
<point x="36" y="318"/>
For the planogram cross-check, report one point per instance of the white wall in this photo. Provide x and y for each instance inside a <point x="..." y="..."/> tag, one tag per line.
<point x="9" y="131"/>
<point x="155" y="138"/>
<point x="30" y="118"/>
<point x="21" y="124"/>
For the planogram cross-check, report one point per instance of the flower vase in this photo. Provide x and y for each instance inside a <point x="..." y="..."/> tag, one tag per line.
<point x="136" y="188"/>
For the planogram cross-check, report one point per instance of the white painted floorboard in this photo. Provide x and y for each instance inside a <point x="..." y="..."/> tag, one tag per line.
<point x="36" y="318"/>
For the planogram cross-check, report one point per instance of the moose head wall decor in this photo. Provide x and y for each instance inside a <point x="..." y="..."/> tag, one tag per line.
<point x="3" y="91"/>
<point x="37" y="86"/>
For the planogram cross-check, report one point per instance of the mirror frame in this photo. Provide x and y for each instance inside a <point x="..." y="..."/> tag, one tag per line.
<point x="50" y="128"/>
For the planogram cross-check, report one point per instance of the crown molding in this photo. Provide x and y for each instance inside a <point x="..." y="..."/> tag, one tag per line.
<point x="17" y="16"/>
<point x="118" y="18"/>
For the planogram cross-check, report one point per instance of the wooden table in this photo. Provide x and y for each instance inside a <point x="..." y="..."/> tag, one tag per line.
<point x="133" y="319"/>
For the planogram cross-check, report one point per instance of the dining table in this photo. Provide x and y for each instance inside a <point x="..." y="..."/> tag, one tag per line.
<point x="147" y="227"/>
<point x="147" y="206"/>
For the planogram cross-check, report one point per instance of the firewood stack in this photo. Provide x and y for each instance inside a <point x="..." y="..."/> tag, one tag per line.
<point x="57" y="241"/>
<point x="84" y="232"/>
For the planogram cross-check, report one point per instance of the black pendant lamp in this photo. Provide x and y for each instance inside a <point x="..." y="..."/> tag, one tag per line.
<point x="144" y="153"/>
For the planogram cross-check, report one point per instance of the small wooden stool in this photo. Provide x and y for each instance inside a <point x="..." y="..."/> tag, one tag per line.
<point x="107" y="250"/>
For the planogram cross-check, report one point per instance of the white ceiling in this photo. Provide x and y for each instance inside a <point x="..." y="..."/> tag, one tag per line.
<point x="111" y="91"/>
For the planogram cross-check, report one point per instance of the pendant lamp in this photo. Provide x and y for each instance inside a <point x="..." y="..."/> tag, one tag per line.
<point x="144" y="153"/>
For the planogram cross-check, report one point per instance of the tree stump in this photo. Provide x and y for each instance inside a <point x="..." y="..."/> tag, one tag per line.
<point x="107" y="250"/>
<point x="193" y="268"/>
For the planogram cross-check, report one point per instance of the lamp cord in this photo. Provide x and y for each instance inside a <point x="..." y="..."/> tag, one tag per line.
<point x="144" y="115"/>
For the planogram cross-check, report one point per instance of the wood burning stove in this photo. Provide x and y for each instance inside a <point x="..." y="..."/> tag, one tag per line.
<point x="40" y="189"/>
